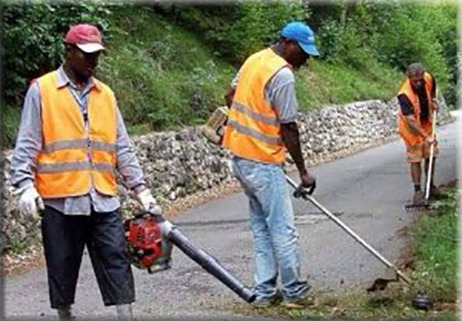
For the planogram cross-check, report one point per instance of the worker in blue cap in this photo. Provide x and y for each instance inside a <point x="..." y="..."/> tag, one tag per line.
<point x="297" y="43"/>
<point x="261" y="127"/>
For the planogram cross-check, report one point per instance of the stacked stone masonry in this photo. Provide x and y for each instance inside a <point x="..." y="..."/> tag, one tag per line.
<point x="182" y="163"/>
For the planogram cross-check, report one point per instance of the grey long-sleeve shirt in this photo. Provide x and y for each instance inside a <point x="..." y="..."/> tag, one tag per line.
<point x="29" y="144"/>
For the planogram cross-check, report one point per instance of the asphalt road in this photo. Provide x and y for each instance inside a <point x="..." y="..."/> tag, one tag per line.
<point x="367" y="190"/>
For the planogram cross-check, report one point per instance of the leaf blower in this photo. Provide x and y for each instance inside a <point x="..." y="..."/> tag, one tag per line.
<point x="150" y="238"/>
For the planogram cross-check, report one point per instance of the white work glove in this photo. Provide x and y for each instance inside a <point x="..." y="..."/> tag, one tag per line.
<point x="30" y="201"/>
<point x="149" y="203"/>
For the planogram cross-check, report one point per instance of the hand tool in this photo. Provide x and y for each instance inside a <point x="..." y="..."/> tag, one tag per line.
<point x="425" y="203"/>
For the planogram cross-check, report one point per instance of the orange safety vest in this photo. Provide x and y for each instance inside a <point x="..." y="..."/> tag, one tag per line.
<point x="72" y="160"/>
<point x="253" y="129"/>
<point x="404" y="129"/>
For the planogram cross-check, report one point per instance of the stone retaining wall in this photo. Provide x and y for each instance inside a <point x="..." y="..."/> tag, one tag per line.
<point x="182" y="163"/>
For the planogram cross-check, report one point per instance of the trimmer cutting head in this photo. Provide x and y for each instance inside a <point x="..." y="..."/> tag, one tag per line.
<point x="422" y="301"/>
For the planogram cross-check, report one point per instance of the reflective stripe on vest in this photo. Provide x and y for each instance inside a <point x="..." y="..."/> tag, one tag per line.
<point x="78" y="143"/>
<point x="272" y="140"/>
<point x="253" y="128"/>
<point x="72" y="160"/>
<point x="78" y="166"/>
<point x="403" y="126"/>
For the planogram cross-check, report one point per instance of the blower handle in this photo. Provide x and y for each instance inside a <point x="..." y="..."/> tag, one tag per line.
<point x="210" y="264"/>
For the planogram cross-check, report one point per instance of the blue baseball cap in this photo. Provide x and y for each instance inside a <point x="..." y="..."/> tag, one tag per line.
<point x="303" y="35"/>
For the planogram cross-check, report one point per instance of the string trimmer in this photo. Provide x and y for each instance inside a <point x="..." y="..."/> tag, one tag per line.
<point x="420" y="301"/>
<point x="150" y="238"/>
<point x="212" y="131"/>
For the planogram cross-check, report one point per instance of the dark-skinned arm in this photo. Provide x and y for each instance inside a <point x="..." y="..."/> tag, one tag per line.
<point x="229" y="96"/>
<point x="291" y="138"/>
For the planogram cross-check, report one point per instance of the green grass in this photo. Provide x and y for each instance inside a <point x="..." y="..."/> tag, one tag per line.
<point x="323" y="83"/>
<point x="162" y="75"/>
<point x="435" y="244"/>
<point x="392" y="304"/>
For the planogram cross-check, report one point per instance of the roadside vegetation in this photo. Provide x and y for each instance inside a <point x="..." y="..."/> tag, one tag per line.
<point x="435" y="245"/>
<point x="433" y="267"/>
<point x="170" y="63"/>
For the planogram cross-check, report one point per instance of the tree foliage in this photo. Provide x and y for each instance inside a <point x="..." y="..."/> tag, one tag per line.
<point x="392" y="33"/>
<point x="33" y="39"/>
<point x="237" y="30"/>
<point x="165" y="77"/>
<point x="360" y="34"/>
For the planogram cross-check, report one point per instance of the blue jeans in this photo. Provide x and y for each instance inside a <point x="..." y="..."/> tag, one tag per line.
<point x="274" y="233"/>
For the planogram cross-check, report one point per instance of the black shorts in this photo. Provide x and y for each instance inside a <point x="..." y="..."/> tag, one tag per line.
<point x="64" y="239"/>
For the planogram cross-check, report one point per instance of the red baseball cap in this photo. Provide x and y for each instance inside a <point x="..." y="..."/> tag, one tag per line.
<point x="86" y="37"/>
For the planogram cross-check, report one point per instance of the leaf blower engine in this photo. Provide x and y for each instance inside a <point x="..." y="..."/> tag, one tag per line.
<point x="150" y="241"/>
<point x="147" y="247"/>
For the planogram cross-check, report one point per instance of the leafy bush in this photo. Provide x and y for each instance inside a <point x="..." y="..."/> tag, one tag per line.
<point x="395" y="34"/>
<point x="330" y="40"/>
<point x="33" y="39"/>
<point x="11" y="118"/>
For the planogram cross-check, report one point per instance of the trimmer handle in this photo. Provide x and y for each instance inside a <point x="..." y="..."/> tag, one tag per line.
<point x="303" y="192"/>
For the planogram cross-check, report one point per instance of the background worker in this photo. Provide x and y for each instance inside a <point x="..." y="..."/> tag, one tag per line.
<point x="417" y="102"/>
<point x="71" y="141"/>
<point x="261" y="125"/>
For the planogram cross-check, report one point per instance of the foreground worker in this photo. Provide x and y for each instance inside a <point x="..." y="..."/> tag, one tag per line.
<point x="71" y="141"/>
<point x="417" y="102"/>
<point x="261" y="125"/>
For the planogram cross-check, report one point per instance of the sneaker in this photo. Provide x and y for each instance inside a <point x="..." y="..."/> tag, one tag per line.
<point x="262" y="304"/>
<point x="266" y="302"/>
<point x="300" y="302"/>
